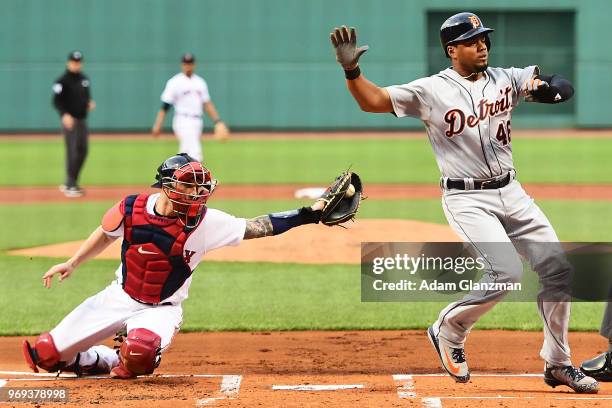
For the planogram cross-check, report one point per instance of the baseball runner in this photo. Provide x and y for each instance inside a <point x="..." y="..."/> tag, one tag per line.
<point x="467" y="110"/>
<point x="188" y="93"/>
<point x="165" y="236"/>
<point x="600" y="367"/>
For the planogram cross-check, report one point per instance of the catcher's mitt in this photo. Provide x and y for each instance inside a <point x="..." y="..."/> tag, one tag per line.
<point x="340" y="206"/>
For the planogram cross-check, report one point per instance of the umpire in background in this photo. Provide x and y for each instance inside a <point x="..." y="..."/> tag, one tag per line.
<point x="72" y="99"/>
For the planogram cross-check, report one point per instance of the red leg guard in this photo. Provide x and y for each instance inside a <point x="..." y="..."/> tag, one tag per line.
<point x="44" y="354"/>
<point x="139" y="354"/>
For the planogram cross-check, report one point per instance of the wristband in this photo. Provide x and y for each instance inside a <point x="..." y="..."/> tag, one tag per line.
<point x="284" y="221"/>
<point x="352" y="73"/>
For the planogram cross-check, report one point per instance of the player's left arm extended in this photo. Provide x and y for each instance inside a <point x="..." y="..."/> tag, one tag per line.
<point x="548" y="89"/>
<point x="277" y="223"/>
<point x="96" y="243"/>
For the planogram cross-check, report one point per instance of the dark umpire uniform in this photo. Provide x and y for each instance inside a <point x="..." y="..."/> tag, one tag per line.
<point x="72" y="99"/>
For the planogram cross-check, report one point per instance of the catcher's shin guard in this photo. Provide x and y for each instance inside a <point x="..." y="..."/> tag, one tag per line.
<point x="44" y="354"/>
<point x="139" y="354"/>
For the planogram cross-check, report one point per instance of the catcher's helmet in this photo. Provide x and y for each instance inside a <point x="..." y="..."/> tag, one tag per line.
<point x="461" y="27"/>
<point x="188" y="185"/>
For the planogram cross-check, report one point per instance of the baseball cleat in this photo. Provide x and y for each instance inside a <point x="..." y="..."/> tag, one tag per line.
<point x="73" y="192"/>
<point x="30" y="355"/>
<point x="570" y="376"/>
<point x="599" y="368"/>
<point x="452" y="358"/>
<point x="122" y="373"/>
<point x="63" y="188"/>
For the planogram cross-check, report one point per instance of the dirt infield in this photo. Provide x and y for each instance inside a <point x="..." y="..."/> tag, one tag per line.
<point x="362" y="368"/>
<point x="34" y="195"/>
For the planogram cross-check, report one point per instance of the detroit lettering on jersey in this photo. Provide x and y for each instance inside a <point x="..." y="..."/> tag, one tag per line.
<point x="468" y="123"/>
<point x="456" y="118"/>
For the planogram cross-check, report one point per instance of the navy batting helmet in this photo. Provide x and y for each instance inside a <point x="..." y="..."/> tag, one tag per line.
<point x="461" y="27"/>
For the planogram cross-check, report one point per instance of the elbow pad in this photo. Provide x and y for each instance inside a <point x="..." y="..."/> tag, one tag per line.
<point x="559" y="89"/>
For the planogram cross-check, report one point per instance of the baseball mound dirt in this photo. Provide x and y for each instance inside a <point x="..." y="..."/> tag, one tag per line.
<point x="337" y="245"/>
<point x="322" y="369"/>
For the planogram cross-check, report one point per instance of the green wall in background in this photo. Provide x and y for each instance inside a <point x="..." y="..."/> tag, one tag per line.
<point x="269" y="63"/>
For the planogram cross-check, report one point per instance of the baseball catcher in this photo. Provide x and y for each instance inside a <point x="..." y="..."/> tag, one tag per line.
<point x="165" y="236"/>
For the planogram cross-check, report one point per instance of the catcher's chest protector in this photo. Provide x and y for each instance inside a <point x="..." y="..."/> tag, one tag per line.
<point x="152" y="253"/>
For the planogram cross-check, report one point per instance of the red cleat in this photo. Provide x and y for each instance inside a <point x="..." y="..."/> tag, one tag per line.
<point x="121" y="372"/>
<point x="30" y="355"/>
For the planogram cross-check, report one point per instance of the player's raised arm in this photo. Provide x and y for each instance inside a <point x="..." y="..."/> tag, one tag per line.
<point x="338" y="204"/>
<point x="368" y="95"/>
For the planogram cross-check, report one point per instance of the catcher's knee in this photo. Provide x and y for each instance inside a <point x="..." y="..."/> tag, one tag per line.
<point x="140" y="352"/>
<point x="43" y="354"/>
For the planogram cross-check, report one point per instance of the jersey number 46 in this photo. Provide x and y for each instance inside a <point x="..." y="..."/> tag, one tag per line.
<point x="503" y="133"/>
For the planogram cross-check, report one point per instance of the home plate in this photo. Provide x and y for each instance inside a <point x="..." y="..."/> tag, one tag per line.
<point x="317" y="387"/>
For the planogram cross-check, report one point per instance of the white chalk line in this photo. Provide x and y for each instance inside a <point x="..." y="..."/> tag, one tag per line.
<point x="230" y="387"/>
<point x="526" y="375"/>
<point x="500" y="397"/>
<point x="53" y="376"/>
<point x="431" y="402"/>
<point x="316" y="387"/>
<point x="405" y="386"/>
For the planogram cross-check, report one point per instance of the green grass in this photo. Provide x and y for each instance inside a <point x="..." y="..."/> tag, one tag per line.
<point x="263" y="296"/>
<point x="244" y="296"/>
<point x="298" y="160"/>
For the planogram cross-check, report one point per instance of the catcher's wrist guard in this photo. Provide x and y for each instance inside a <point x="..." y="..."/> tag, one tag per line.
<point x="284" y="221"/>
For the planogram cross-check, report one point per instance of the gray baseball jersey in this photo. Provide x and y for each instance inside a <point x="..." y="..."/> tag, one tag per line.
<point x="468" y="123"/>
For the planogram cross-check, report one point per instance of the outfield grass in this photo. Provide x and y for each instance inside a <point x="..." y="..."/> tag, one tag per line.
<point x="246" y="296"/>
<point x="255" y="296"/>
<point x="265" y="296"/>
<point x="298" y="161"/>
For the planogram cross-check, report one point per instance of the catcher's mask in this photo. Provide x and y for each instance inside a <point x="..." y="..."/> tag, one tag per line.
<point x="188" y="185"/>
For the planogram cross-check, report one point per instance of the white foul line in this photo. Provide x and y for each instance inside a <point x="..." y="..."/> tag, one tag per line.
<point x="230" y="386"/>
<point x="405" y="386"/>
<point x="432" y="402"/>
<point x="316" y="387"/>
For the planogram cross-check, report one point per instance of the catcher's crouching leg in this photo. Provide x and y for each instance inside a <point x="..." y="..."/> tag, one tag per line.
<point x="44" y="354"/>
<point x="139" y="354"/>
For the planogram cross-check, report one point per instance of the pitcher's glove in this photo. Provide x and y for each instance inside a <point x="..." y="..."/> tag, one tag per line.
<point x="221" y="132"/>
<point x="342" y="199"/>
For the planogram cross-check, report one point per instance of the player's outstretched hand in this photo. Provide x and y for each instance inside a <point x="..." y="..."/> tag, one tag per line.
<point x="532" y="85"/>
<point x="345" y="44"/>
<point x="64" y="269"/>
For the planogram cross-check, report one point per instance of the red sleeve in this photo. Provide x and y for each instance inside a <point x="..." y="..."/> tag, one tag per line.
<point x="113" y="217"/>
